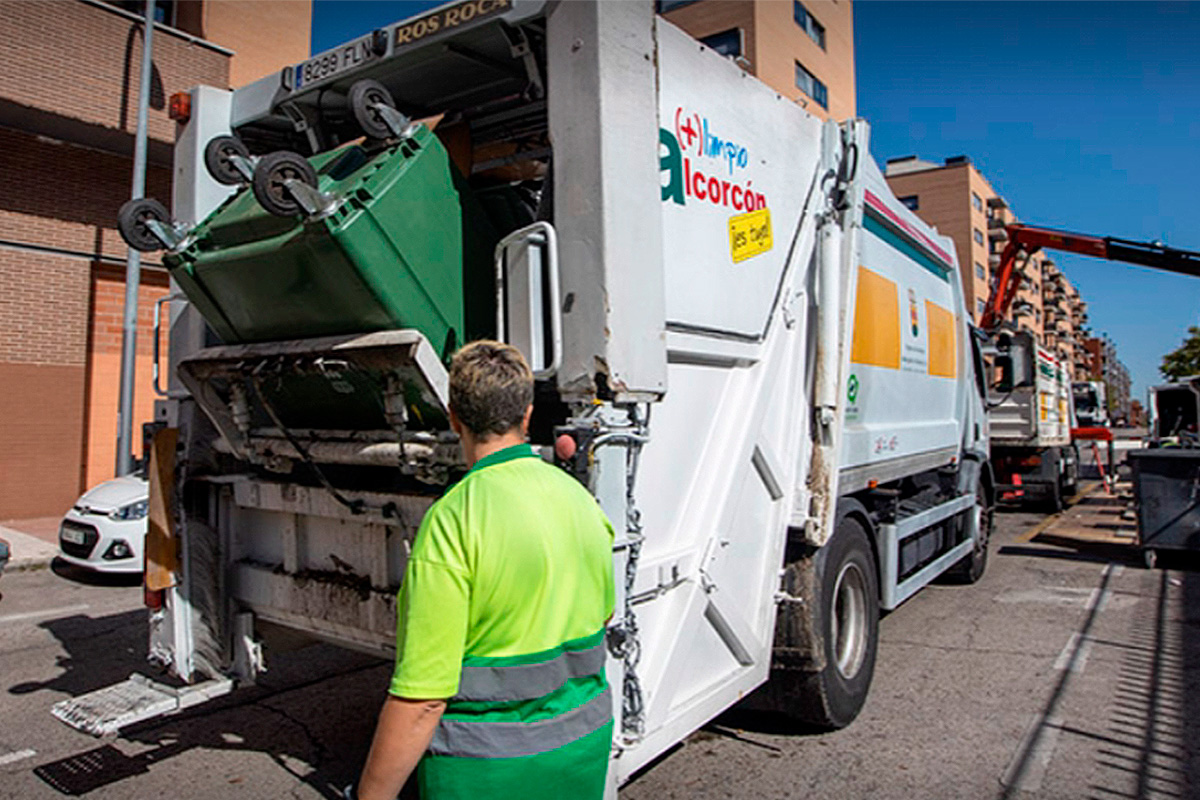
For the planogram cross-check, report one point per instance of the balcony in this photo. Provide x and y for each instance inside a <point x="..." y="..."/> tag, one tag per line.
<point x="997" y="202"/>
<point x="997" y="233"/>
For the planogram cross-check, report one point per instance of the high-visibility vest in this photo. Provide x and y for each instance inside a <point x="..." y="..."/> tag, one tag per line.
<point x="502" y="611"/>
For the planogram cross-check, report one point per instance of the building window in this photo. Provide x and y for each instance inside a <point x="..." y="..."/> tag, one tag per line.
<point x="670" y="5"/>
<point x="976" y="202"/>
<point x="978" y="308"/>
<point x="727" y="43"/>
<point x="808" y="83"/>
<point x="814" y="29"/>
<point x="978" y="236"/>
<point x="911" y="202"/>
<point x="979" y="271"/>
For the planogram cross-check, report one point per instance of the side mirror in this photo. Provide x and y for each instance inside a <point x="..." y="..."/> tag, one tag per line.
<point x="529" y="307"/>
<point x="1014" y="361"/>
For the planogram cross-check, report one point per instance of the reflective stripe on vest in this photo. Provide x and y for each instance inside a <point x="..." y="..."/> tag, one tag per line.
<point x="529" y="681"/>
<point x="469" y="739"/>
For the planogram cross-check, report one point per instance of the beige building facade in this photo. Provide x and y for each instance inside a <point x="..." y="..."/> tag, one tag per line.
<point x="958" y="200"/>
<point x="803" y="50"/>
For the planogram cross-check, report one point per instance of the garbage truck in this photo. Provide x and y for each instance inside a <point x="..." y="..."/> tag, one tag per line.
<point x="754" y="356"/>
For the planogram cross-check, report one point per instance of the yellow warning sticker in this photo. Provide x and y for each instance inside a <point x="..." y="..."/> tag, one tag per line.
<point x="750" y="234"/>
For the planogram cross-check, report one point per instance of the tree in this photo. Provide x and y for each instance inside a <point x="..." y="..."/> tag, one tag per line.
<point x="1183" y="360"/>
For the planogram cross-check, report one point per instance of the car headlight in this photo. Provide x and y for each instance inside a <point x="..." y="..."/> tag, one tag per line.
<point x="132" y="511"/>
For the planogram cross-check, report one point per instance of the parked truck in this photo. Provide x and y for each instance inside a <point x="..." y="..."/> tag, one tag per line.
<point x="757" y="359"/>
<point x="1030" y="419"/>
<point x="1091" y="404"/>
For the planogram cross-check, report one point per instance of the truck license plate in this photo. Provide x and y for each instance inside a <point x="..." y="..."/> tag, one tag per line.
<point x="333" y="62"/>
<point x="71" y="535"/>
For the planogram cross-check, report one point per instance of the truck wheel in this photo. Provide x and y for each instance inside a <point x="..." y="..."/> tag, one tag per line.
<point x="972" y="566"/>
<point x="363" y="95"/>
<point x="1054" y="503"/>
<point x="217" y="159"/>
<point x="270" y="177"/>
<point x="132" y="219"/>
<point x="840" y="633"/>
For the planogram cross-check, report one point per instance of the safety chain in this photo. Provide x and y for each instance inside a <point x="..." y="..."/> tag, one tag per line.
<point x="623" y="640"/>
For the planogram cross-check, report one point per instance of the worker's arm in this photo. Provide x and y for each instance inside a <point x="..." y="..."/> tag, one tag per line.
<point x="403" y="733"/>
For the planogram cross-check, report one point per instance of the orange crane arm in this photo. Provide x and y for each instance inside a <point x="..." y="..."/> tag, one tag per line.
<point x="1030" y="239"/>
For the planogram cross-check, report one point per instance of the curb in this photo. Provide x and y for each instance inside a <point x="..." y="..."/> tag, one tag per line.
<point x="28" y="552"/>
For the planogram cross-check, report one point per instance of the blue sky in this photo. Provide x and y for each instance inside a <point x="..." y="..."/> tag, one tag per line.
<point x="1084" y="116"/>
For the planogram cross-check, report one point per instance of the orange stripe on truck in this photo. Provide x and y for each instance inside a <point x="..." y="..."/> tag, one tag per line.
<point x="943" y="355"/>
<point x="876" y="321"/>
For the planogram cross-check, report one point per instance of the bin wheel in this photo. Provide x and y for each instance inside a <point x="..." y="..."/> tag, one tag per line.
<point x="131" y="223"/>
<point x="217" y="159"/>
<point x="363" y="95"/>
<point x="270" y="176"/>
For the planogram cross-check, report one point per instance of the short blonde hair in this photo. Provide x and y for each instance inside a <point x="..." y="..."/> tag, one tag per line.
<point x="491" y="385"/>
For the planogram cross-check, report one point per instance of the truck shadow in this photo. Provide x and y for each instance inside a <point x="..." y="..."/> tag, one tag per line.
<point x="316" y="731"/>
<point x="313" y="715"/>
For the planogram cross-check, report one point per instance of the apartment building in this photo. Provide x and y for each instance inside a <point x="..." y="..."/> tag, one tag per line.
<point x="957" y="199"/>
<point x="804" y="50"/>
<point x="1101" y="364"/>
<point x="67" y="125"/>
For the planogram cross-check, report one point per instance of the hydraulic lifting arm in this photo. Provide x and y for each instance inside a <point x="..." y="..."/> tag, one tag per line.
<point x="1029" y="239"/>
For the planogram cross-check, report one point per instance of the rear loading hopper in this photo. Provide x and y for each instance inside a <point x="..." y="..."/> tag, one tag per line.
<point x="402" y="243"/>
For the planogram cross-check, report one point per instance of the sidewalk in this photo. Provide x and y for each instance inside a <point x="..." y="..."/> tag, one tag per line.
<point x="1094" y="518"/>
<point x="34" y="542"/>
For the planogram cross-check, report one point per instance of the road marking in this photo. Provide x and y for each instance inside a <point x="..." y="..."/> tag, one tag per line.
<point x="19" y="755"/>
<point x="1033" y="532"/>
<point x="49" y="612"/>
<point x="1064" y="660"/>
<point x="1028" y="767"/>
<point x="1033" y="755"/>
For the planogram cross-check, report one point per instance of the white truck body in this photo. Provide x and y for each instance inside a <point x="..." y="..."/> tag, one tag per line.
<point x="1091" y="403"/>
<point x="759" y="338"/>
<point x="1037" y="415"/>
<point x="1033" y="454"/>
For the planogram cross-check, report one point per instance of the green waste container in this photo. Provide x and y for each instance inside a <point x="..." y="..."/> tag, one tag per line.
<point x="407" y="247"/>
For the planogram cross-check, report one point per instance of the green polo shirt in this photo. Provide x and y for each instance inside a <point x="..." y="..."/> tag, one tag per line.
<point x="514" y="560"/>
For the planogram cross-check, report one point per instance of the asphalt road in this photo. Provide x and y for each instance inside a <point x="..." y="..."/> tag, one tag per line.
<point x="1058" y="675"/>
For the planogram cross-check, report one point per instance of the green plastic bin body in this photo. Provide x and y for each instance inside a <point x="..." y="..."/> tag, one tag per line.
<point x="407" y="247"/>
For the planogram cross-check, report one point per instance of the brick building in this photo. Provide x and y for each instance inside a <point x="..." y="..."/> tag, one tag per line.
<point x="67" y="125"/>
<point x="803" y="50"/>
<point x="958" y="200"/>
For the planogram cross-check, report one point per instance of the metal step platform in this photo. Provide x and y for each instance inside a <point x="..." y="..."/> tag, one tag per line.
<point x="106" y="711"/>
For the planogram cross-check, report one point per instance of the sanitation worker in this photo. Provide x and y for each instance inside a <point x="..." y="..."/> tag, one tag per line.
<point x="499" y="688"/>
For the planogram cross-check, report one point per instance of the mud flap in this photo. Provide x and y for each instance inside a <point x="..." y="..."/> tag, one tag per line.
<point x="106" y="711"/>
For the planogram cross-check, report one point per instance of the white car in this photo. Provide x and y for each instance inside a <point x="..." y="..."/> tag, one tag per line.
<point x="105" y="530"/>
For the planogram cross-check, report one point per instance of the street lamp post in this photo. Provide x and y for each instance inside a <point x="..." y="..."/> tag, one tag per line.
<point x="133" y="262"/>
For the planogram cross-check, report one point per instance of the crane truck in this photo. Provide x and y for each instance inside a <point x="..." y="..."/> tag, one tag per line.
<point x="754" y="356"/>
<point x="1032" y="441"/>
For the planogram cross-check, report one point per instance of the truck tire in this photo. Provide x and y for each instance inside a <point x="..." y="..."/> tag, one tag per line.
<point x="1054" y="501"/>
<point x="971" y="568"/>
<point x="842" y="628"/>
<point x="270" y="175"/>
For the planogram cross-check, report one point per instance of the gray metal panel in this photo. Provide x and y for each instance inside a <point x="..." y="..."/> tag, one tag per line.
<point x="258" y="100"/>
<point x="854" y="479"/>
<point x="603" y="114"/>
